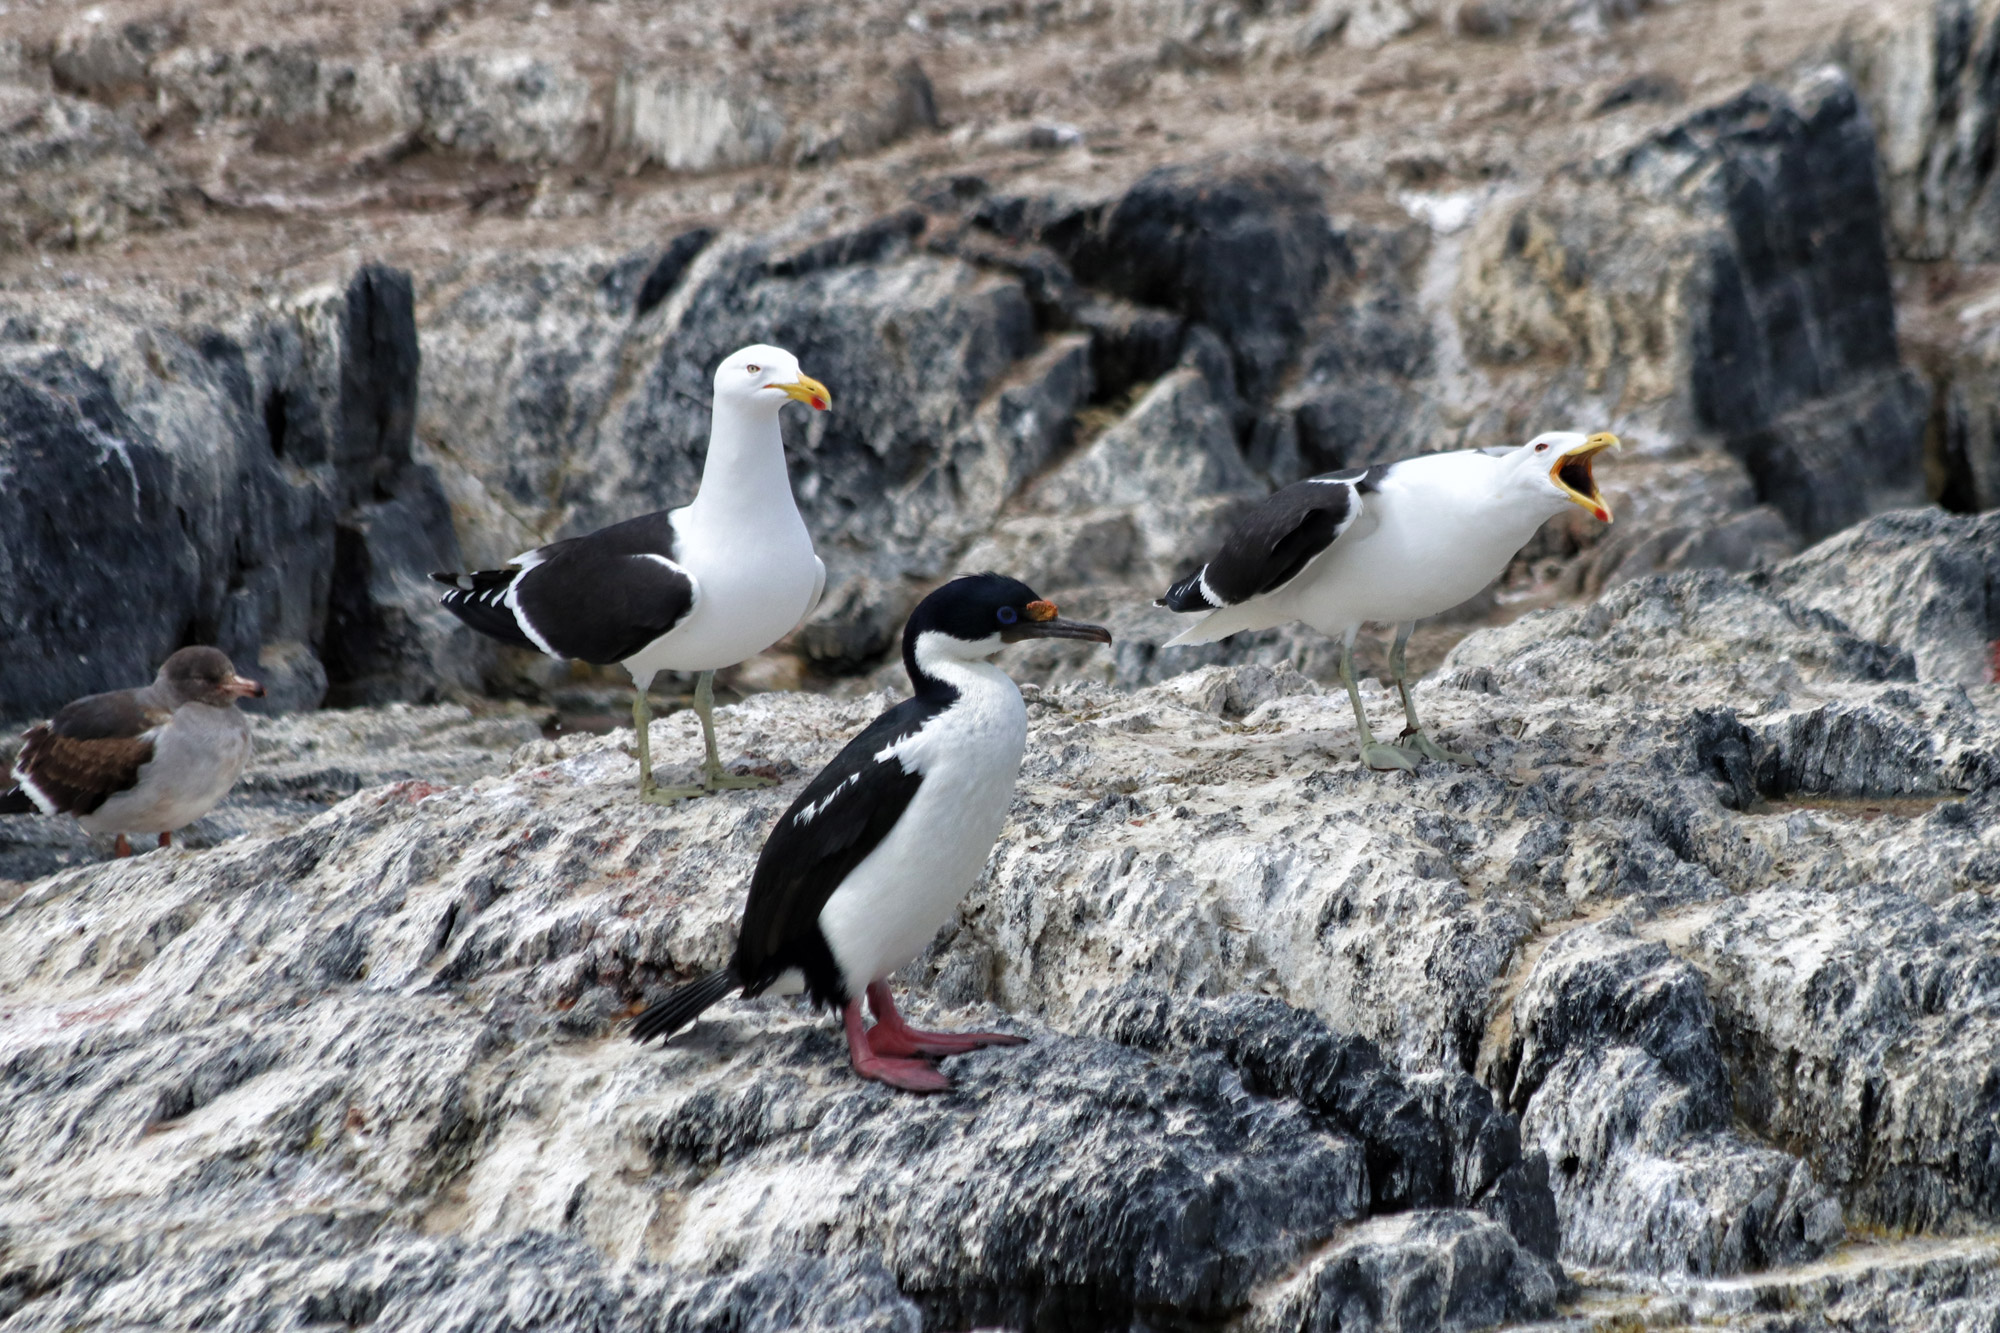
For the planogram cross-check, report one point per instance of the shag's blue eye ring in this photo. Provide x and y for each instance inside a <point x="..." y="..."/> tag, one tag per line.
<point x="1008" y="615"/>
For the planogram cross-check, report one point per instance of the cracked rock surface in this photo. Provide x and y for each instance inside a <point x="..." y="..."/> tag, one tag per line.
<point x="1678" y="1008"/>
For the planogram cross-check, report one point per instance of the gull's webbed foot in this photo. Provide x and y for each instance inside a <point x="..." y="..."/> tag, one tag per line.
<point x="655" y="795"/>
<point x="1430" y="749"/>
<point x="1386" y="758"/>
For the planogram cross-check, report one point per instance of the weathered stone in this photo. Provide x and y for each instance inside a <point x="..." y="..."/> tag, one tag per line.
<point x="255" y="465"/>
<point x="1615" y="1066"/>
<point x="1925" y="69"/>
<point x="1925" y="581"/>
<point x="1729" y="273"/>
<point x="72" y="173"/>
<point x="1262" y="985"/>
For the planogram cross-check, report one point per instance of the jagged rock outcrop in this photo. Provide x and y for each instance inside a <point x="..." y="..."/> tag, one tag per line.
<point x="1725" y="280"/>
<point x="1927" y="70"/>
<point x="1741" y="1005"/>
<point x="249" y="486"/>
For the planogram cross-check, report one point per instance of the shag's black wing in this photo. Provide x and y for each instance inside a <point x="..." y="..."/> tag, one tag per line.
<point x="599" y="598"/>
<point x="90" y="751"/>
<point x="1276" y="539"/>
<point x="841" y="816"/>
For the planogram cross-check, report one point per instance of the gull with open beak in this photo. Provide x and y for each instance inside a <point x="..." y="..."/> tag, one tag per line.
<point x="691" y="589"/>
<point x="1390" y="544"/>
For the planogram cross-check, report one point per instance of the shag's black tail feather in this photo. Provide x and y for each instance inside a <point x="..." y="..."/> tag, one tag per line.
<point x="684" y="1004"/>
<point x="1187" y="595"/>
<point x="480" y="600"/>
<point x="16" y="801"/>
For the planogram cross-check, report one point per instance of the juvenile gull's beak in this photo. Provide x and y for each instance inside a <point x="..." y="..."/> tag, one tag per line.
<point x="240" y="688"/>
<point x="809" y="391"/>
<point x="1042" y="622"/>
<point x="1571" y="474"/>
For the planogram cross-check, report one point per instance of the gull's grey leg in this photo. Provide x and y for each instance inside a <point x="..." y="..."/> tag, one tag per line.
<point x="1413" y="735"/>
<point x="712" y="775"/>
<point x="642" y="722"/>
<point x="1373" y="753"/>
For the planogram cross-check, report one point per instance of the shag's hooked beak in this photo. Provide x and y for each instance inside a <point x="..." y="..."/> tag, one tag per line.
<point x="807" y="390"/>
<point x="1040" y="621"/>
<point x="239" y="688"/>
<point x="1571" y="474"/>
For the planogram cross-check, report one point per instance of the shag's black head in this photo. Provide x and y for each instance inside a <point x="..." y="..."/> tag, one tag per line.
<point x="205" y="675"/>
<point x="976" y="616"/>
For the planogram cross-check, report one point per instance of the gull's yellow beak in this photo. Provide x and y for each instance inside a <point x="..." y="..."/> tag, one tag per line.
<point x="809" y="391"/>
<point x="1572" y="474"/>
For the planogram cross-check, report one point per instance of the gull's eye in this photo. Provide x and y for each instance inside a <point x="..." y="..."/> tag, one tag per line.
<point x="754" y="370"/>
<point x="1542" y="448"/>
<point x="1007" y="615"/>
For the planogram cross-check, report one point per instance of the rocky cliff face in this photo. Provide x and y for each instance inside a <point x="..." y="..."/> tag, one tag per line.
<point x="1686" y="985"/>
<point x="1068" y="346"/>
<point x="251" y="488"/>
<point x="1676" y="1011"/>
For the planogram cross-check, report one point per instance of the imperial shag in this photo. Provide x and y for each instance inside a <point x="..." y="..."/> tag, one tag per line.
<point x="873" y="856"/>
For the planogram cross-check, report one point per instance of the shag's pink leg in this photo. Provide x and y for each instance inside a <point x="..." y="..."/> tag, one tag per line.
<point x="892" y="1036"/>
<point x="122" y="847"/>
<point x="909" y="1075"/>
<point x="166" y="840"/>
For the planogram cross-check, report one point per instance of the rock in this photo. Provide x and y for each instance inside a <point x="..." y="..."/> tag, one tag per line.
<point x="1265" y="988"/>
<point x="271" y="491"/>
<point x="1224" y="1144"/>
<point x="1921" y="68"/>
<point x="1925" y="581"/>
<point x="1137" y="504"/>
<point x="1615" y="1066"/>
<point x="1963" y="447"/>
<point x="1414" y="1270"/>
<point x="691" y="124"/>
<point x="1243" y="251"/>
<point x="1881" y="1011"/>
<point x="75" y="174"/>
<point x="1761" y="315"/>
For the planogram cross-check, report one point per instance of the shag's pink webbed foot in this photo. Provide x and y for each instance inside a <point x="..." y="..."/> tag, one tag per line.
<point x="909" y="1075"/>
<point x="892" y="1036"/>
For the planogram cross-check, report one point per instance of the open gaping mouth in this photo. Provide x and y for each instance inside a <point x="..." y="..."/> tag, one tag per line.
<point x="1572" y="474"/>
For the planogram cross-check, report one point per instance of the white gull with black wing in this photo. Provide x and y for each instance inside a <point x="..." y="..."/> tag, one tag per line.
<point x="148" y="760"/>
<point x="1389" y="544"/>
<point x="872" y="858"/>
<point x="690" y="589"/>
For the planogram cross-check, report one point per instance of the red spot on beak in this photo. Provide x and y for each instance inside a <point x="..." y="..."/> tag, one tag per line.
<point x="1603" y="514"/>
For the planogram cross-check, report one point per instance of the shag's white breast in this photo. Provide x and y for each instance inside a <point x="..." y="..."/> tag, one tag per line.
<point x="891" y="906"/>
